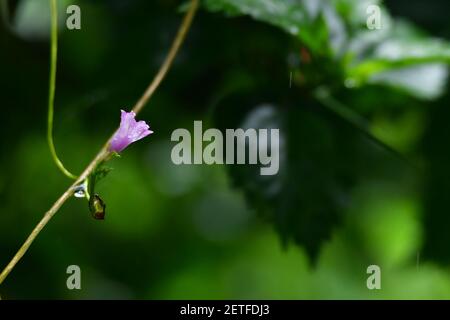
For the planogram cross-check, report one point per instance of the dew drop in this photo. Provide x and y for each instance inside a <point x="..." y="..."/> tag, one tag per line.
<point x="80" y="194"/>
<point x="80" y="191"/>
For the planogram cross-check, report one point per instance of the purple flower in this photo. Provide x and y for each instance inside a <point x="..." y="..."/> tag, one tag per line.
<point x="128" y="132"/>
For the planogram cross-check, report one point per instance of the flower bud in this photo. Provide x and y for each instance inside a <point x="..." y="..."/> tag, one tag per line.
<point x="97" y="207"/>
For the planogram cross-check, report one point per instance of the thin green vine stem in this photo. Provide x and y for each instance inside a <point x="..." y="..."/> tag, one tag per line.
<point x="104" y="152"/>
<point x="51" y="90"/>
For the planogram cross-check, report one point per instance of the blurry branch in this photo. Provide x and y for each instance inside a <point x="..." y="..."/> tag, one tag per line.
<point x="51" y="92"/>
<point x="358" y="122"/>
<point x="327" y="100"/>
<point x="104" y="153"/>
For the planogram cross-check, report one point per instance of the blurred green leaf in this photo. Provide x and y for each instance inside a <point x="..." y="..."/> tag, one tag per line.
<point x="290" y="15"/>
<point x="404" y="59"/>
<point x="398" y="55"/>
<point x="305" y="199"/>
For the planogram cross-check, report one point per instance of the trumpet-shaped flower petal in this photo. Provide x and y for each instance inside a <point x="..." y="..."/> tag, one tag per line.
<point x="129" y="131"/>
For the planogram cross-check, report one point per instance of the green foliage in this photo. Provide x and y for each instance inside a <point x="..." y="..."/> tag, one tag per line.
<point x="307" y="200"/>
<point x="406" y="59"/>
<point x="290" y="16"/>
<point x="337" y="30"/>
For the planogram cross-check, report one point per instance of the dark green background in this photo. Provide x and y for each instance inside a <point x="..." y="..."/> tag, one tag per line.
<point x="186" y="231"/>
